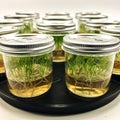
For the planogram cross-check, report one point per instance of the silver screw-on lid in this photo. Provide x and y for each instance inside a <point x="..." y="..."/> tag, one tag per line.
<point x="78" y="14"/>
<point x="11" y="22"/>
<point x="19" y="17"/>
<point x="7" y="30"/>
<point x="90" y="43"/>
<point x="113" y="30"/>
<point x="56" y="22"/>
<point x="100" y="22"/>
<point x="57" y="14"/>
<point x="93" y="16"/>
<point x="27" y="44"/>
<point x="33" y="15"/>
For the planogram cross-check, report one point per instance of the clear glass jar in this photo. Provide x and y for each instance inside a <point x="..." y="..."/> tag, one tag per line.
<point x="57" y="25"/>
<point x="29" y="21"/>
<point x="84" y="18"/>
<point x="28" y="63"/>
<point x="79" y="20"/>
<point x="94" y="26"/>
<point x="113" y="30"/>
<point x="4" y="30"/>
<point x="89" y="63"/>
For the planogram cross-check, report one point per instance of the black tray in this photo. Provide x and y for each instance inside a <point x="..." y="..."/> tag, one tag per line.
<point x="59" y="100"/>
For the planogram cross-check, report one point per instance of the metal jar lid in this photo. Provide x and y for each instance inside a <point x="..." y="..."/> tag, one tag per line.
<point x="57" y="14"/>
<point x="56" y="23"/>
<point x="57" y="18"/>
<point x="7" y="30"/>
<point x="27" y="44"/>
<point x="33" y="15"/>
<point x="100" y="22"/>
<point x="113" y="30"/>
<point x="11" y="22"/>
<point x="93" y="16"/>
<point x="78" y="14"/>
<point x="19" y="17"/>
<point x="56" y="27"/>
<point x="90" y="44"/>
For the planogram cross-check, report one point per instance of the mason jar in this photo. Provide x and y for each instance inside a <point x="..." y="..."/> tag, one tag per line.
<point x="28" y="63"/>
<point x="84" y="18"/>
<point x="35" y="18"/>
<point x="29" y="22"/>
<point x="89" y="63"/>
<point x="57" y="25"/>
<point x="113" y="30"/>
<point x="82" y="13"/>
<point x="4" y="30"/>
<point x="94" y="26"/>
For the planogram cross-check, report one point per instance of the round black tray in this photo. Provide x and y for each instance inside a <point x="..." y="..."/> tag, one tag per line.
<point x="59" y="100"/>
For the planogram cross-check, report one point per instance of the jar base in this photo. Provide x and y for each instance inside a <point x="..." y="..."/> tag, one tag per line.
<point x="31" y="92"/>
<point x="87" y="91"/>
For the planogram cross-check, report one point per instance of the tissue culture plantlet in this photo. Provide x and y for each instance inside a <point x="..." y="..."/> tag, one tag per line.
<point x="83" y="29"/>
<point x="28" y="75"/>
<point x="58" y="53"/>
<point x="27" y="28"/>
<point x="88" y="75"/>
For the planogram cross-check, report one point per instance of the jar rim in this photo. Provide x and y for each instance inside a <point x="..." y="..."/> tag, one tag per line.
<point x="90" y="43"/>
<point x="26" y="43"/>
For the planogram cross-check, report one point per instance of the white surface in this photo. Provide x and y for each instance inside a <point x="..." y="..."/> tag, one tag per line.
<point x="109" y="7"/>
<point x="110" y="111"/>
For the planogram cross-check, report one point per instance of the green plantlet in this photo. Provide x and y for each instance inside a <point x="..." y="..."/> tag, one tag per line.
<point x="91" y="67"/>
<point x="28" y="74"/>
<point x="27" y="28"/>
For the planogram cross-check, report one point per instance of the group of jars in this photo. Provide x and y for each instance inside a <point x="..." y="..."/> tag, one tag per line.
<point x="28" y="52"/>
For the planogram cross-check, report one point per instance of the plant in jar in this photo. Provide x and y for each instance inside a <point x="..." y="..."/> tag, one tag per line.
<point x="83" y="29"/>
<point x="88" y="75"/>
<point x="27" y="28"/>
<point x="29" y="75"/>
<point x="58" y="53"/>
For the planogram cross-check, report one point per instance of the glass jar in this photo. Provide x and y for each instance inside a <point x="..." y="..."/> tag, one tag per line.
<point x="57" y="25"/>
<point x="89" y="63"/>
<point x="82" y="13"/>
<point x="29" y="22"/>
<point x="84" y="18"/>
<point x="35" y="18"/>
<point x="4" y="30"/>
<point x="113" y="30"/>
<point x="28" y="63"/>
<point x="94" y="26"/>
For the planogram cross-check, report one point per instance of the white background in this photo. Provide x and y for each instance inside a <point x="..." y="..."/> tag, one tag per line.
<point x="109" y="7"/>
<point x="110" y="111"/>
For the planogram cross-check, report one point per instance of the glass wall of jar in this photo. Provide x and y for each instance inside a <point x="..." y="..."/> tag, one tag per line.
<point x="89" y="63"/>
<point x="35" y="18"/>
<point x="113" y="30"/>
<point x="28" y="63"/>
<point x="4" y="30"/>
<point x="29" y="21"/>
<point x="93" y="26"/>
<point x="84" y="18"/>
<point x="79" y="14"/>
<point x="57" y="24"/>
